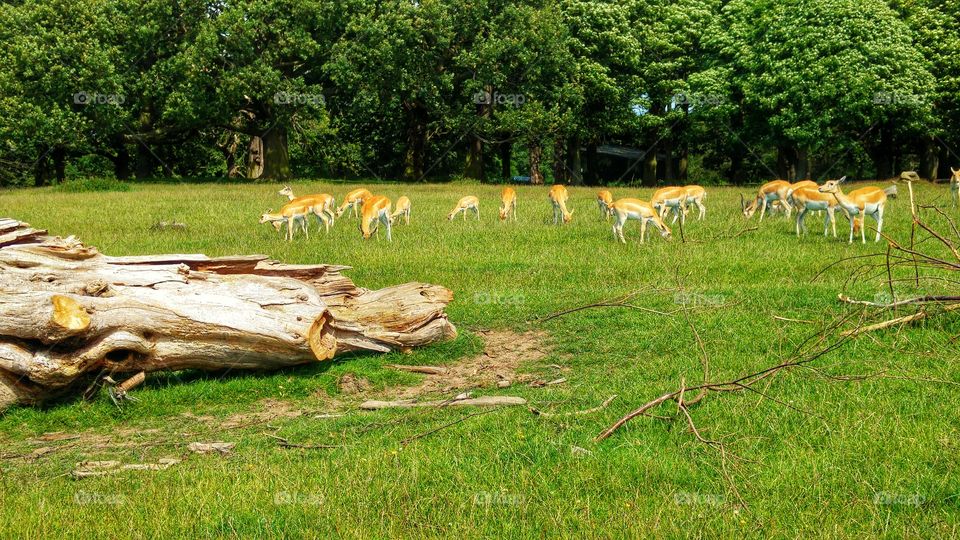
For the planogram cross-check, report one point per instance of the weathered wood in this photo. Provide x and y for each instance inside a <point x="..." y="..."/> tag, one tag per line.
<point x="68" y="313"/>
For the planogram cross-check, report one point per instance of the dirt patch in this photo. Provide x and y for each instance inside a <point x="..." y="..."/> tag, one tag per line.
<point x="272" y="409"/>
<point x="503" y="353"/>
<point x="349" y="384"/>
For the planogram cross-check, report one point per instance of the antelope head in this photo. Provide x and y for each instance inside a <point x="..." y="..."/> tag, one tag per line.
<point x="286" y="192"/>
<point x="832" y="186"/>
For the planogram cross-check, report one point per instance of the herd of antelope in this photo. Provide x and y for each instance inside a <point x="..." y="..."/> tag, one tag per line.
<point x="773" y="197"/>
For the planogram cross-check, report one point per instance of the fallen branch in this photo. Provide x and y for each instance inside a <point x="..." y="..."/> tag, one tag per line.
<point x="484" y="401"/>
<point x="426" y="370"/>
<point x="920" y="315"/>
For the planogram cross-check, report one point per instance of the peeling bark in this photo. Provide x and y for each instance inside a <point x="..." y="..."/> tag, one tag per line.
<point x="69" y="313"/>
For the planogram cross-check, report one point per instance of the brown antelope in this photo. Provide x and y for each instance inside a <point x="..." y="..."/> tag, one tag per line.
<point x="508" y="204"/>
<point x="627" y="209"/>
<point x="671" y="199"/>
<point x="289" y="214"/>
<point x="354" y="200"/>
<point x="605" y="203"/>
<point x="558" y="198"/>
<point x="769" y="192"/>
<point x="695" y="197"/>
<point x="808" y="199"/>
<point x="402" y="209"/>
<point x="868" y="201"/>
<point x="955" y="186"/>
<point x="324" y="201"/>
<point x="466" y="203"/>
<point x="375" y="209"/>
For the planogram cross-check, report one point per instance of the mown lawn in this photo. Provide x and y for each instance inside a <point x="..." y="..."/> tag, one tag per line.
<point x="847" y="457"/>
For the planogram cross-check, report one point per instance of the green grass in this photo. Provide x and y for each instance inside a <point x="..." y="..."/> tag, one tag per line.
<point x="871" y="457"/>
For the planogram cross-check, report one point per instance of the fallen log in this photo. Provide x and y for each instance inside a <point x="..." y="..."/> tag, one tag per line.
<point x="69" y="313"/>
<point x="483" y="401"/>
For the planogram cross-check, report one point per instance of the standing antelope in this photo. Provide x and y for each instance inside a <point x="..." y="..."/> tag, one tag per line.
<point x="807" y="199"/>
<point x="769" y="192"/>
<point x="671" y="199"/>
<point x="466" y="203"/>
<point x="375" y="208"/>
<point x="402" y="209"/>
<point x="626" y="209"/>
<point x="695" y="196"/>
<point x="508" y="203"/>
<point x="955" y="186"/>
<point x="558" y="198"/>
<point x="868" y="201"/>
<point x="323" y="201"/>
<point x="289" y="214"/>
<point x="354" y="200"/>
<point x="605" y="202"/>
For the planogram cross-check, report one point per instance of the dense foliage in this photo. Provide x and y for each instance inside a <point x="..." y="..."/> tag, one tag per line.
<point x="591" y="91"/>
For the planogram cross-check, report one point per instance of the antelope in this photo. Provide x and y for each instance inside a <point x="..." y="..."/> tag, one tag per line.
<point x="605" y="202"/>
<point x="808" y="199"/>
<point x="626" y="209"/>
<point x="955" y="186"/>
<point x="868" y="201"/>
<point x="558" y="198"/>
<point x="375" y="209"/>
<point x="890" y="190"/>
<point x="323" y="202"/>
<point x="508" y="204"/>
<point x="695" y="196"/>
<point x="354" y="200"/>
<point x="769" y="192"/>
<point x="402" y="209"/>
<point x="673" y="199"/>
<point x="466" y="203"/>
<point x="291" y="214"/>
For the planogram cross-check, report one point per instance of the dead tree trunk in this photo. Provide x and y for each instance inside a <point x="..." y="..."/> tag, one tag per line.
<point x="69" y="313"/>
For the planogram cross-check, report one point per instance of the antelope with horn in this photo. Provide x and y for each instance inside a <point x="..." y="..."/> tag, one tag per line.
<point x="323" y="201"/>
<point x="605" y="203"/>
<point x="402" y="208"/>
<point x="466" y="203"/>
<point x="508" y="204"/>
<point x="769" y="192"/>
<point x="867" y="201"/>
<point x="558" y="198"/>
<point x="627" y="209"/>
<point x="354" y="201"/>
<point x="376" y="210"/>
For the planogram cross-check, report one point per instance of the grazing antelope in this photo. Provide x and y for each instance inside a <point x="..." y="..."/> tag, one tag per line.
<point x="808" y="199"/>
<point x="695" y="196"/>
<point x="402" y="209"/>
<point x="605" y="203"/>
<point x="290" y="214"/>
<point x="354" y="200"/>
<point x="627" y="209"/>
<point x="466" y="203"/>
<point x="375" y="209"/>
<point x="955" y="186"/>
<point x="769" y="192"/>
<point x="868" y="201"/>
<point x="508" y="203"/>
<point x="673" y="199"/>
<point x="322" y="203"/>
<point x="558" y="198"/>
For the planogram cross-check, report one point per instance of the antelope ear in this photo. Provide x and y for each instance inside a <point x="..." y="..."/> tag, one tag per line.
<point x="842" y="180"/>
<point x="955" y="171"/>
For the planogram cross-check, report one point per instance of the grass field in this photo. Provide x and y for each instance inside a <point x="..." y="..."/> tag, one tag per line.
<point x="823" y="457"/>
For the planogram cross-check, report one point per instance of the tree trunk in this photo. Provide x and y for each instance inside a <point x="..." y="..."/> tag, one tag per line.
<point x="506" y="160"/>
<point x="41" y="169"/>
<point x="561" y="174"/>
<point x="474" y="167"/>
<point x="416" y="142"/>
<point x="591" y="176"/>
<point x="650" y="167"/>
<point x="276" y="154"/>
<point x="69" y="314"/>
<point x="60" y="163"/>
<point x="573" y="157"/>
<point x="121" y="161"/>
<point x="787" y="163"/>
<point x="669" y="174"/>
<point x="883" y="155"/>
<point x="255" y="158"/>
<point x="803" y="164"/>
<point x="145" y="162"/>
<point x="929" y="158"/>
<point x="535" y="151"/>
